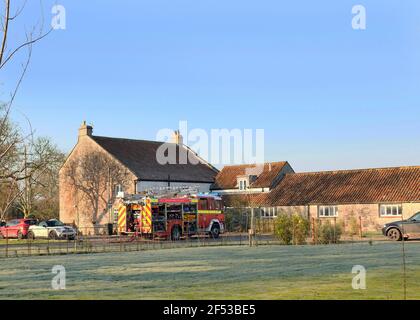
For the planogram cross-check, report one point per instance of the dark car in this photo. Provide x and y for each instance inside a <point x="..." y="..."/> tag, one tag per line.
<point x="409" y="228"/>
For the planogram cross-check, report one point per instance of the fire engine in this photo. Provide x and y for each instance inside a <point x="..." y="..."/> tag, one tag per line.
<point x="171" y="217"/>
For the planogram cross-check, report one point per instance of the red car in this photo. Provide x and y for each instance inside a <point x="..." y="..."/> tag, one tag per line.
<point x="16" y="228"/>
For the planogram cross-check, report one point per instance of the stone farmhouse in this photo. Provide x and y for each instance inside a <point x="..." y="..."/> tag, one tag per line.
<point x="138" y="159"/>
<point x="373" y="196"/>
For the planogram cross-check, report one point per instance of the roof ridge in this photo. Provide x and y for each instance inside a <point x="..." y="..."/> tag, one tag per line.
<point x="253" y="164"/>
<point x="128" y="139"/>
<point x="355" y="170"/>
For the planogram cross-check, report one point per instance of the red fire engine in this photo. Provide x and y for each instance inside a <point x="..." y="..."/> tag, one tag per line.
<point x="171" y="217"/>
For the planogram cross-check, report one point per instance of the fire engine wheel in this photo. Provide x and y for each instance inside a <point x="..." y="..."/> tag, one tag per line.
<point x="176" y="233"/>
<point x="215" y="231"/>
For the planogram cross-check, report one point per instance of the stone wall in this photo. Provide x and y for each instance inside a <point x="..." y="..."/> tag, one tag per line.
<point x="74" y="207"/>
<point x="349" y="215"/>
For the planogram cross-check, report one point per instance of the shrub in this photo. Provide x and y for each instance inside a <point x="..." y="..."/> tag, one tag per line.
<point x="353" y="226"/>
<point x="283" y="229"/>
<point x="330" y="233"/>
<point x="291" y="229"/>
<point x="301" y="228"/>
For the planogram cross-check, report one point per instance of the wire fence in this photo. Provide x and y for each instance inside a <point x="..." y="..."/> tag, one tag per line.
<point x="242" y="227"/>
<point x="107" y="244"/>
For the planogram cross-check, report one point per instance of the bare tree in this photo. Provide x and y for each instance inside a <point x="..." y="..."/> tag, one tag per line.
<point x="41" y="162"/>
<point x="93" y="178"/>
<point x="11" y="136"/>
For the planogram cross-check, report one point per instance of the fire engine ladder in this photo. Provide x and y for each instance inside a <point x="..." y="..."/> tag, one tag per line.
<point x="168" y="192"/>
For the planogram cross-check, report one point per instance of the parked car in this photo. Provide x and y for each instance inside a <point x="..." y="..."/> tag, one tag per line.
<point x="17" y="228"/>
<point x="406" y="229"/>
<point x="51" y="229"/>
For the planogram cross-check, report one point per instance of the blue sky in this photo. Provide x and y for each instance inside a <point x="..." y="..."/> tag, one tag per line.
<point x="328" y="97"/>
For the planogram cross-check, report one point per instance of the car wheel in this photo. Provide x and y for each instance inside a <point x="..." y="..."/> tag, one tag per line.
<point x="31" y="235"/>
<point x="215" y="231"/>
<point x="19" y="235"/>
<point x="394" y="234"/>
<point x="52" y="235"/>
<point x="176" y="233"/>
<point x="1" y="236"/>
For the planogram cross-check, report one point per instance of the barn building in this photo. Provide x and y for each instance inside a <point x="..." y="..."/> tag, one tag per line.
<point x="372" y="196"/>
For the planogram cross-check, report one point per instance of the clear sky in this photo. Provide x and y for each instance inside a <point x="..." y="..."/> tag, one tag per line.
<point x="328" y="96"/>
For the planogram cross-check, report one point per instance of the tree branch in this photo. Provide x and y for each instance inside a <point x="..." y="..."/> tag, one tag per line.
<point x="6" y="29"/>
<point x="28" y="43"/>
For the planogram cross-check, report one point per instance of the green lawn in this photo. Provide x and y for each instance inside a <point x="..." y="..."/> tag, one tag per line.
<point x="270" y="272"/>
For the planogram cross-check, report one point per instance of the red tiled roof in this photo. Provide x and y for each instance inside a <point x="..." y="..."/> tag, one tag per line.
<point x="245" y="200"/>
<point x="401" y="184"/>
<point x="228" y="177"/>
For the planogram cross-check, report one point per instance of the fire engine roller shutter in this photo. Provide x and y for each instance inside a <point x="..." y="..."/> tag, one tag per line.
<point x="122" y="219"/>
<point x="146" y="220"/>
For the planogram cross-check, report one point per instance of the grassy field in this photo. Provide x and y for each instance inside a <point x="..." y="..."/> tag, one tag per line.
<point x="269" y="272"/>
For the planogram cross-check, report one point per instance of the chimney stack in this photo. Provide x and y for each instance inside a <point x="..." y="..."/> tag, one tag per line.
<point x="177" y="138"/>
<point x="85" y="130"/>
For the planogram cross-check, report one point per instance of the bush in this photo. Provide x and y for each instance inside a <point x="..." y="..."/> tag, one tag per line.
<point x="283" y="229"/>
<point x="353" y="226"/>
<point x="301" y="228"/>
<point x="328" y="233"/>
<point x="291" y="229"/>
<point x="236" y="221"/>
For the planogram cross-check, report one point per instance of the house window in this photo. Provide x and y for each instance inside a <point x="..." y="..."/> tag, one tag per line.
<point x="269" y="213"/>
<point x="118" y="189"/>
<point x="242" y="185"/>
<point x="327" y="211"/>
<point x="390" y="210"/>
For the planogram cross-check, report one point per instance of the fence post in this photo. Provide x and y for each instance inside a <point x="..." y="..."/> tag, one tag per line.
<point x="313" y="232"/>
<point x="360" y="227"/>
<point x="335" y="230"/>
<point x="7" y="243"/>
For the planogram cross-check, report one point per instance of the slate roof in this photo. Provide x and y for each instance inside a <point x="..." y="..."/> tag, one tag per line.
<point x="228" y="177"/>
<point x="139" y="156"/>
<point x="400" y="184"/>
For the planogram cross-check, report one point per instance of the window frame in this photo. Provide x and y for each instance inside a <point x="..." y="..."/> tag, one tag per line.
<point x="269" y="212"/>
<point x="243" y="184"/>
<point x="321" y="211"/>
<point x="384" y="208"/>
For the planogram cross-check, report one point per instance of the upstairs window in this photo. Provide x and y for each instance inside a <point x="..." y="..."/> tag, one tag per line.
<point x="390" y="210"/>
<point x="327" y="211"/>
<point x="118" y="189"/>
<point x="243" y="185"/>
